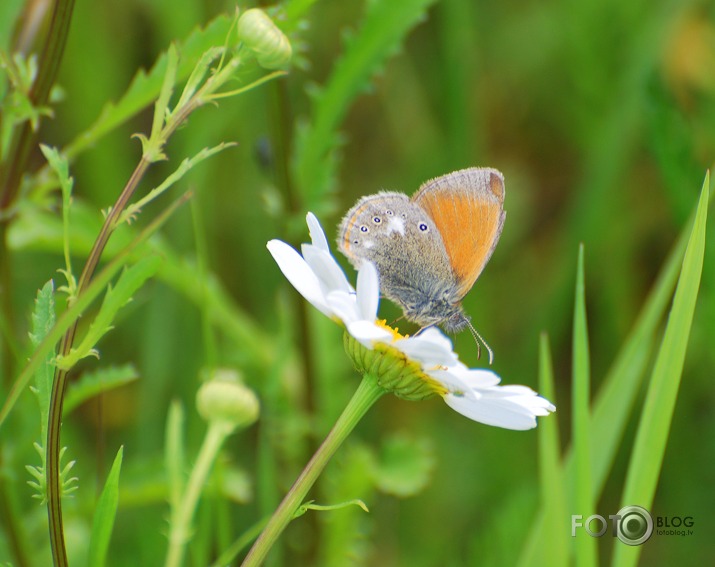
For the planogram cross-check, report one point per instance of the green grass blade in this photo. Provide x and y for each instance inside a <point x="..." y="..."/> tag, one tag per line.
<point x="104" y="515"/>
<point x="615" y="398"/>
<point x="654" y="427"/>
<point x="586" y="550"/>
<point x="553" y="497"/>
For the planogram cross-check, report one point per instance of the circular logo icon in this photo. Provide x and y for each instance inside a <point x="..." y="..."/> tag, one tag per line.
<point x="635" y="525"/>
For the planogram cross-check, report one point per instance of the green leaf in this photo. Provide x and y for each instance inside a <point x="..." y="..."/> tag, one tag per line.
<point x="654" y="427"/>
<point x="161" y="106"/>
<point x="19" y="72"/>
<point x="43" y="319"/>
<point x="92" y="384"/>
<point x="67" y="318"/>
<point x="145" y="87"/>
<point x="104" y="515"/>
<point x="184" y="167"/>
<point x="197" y="75"/>
<point x="68" y="484"/>
<point x="129" y="282"/>
<point x="405" y="466"/>
<point x="553" y="499"/>
<point x="586" y="550"/>
<point x="60" y="166"/>
<point x="310" y="505"/>
<point x="384" y="27"/>
<point x="38" y="230"/>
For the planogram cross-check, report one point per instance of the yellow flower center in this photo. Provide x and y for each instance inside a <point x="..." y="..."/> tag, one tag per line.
<point x="382" y="323"/>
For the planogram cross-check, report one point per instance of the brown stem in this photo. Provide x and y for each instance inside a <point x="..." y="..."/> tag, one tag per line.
<point x="16" y="162"/>
<point x="59" y="385"/>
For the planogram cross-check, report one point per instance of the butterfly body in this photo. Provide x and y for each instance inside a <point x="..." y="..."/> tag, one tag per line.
<point x="430" y="249"/>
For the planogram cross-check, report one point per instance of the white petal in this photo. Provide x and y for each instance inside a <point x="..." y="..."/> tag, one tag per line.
<point x="368" y="291"/>
<point x="493" y="408"/>
<point x="367" y="333"/>
<point x="299" y="274"/>
<point x="453" y="382"/>
<point x="328" y="271"/>
<point x="316" y="232"/>
<point x="430" y="347"/>
<point x="461" y="380"/>
<point x="476" y="378"/>
<point x="344" y="305"/>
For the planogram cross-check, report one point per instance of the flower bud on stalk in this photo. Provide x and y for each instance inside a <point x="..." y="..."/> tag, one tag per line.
<point x="269" y="44"/>
<point x="224" y="398"/>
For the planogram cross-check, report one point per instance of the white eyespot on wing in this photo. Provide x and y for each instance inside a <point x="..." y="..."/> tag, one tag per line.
<point x="368" y="244"/>
<point x="396" y="224"/>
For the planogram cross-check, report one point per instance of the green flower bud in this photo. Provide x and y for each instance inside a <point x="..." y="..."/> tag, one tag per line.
<point x="394" y="371"/>
<point x="224" y="398"/>
<point x="269" y="44"/>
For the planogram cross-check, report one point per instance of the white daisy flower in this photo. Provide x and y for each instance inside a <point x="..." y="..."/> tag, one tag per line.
<point x="413" y="368"/>
<point x="320" y="279"/>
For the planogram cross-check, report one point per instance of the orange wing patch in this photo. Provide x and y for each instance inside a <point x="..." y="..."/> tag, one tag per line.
<point x="467" y="208"/>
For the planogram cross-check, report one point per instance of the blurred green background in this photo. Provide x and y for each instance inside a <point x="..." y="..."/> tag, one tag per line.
<point x="601" y="116"/>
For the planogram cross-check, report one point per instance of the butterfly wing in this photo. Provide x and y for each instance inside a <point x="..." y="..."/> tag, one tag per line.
<point x="467" y="206"/>
<point x="402" y="241"/>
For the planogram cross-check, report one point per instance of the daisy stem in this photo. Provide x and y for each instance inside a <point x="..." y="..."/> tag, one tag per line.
<point x="366" y="395"/>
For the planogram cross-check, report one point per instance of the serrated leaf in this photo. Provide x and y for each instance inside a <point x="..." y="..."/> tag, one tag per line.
<point x="184" y="167"/>
<point x="384" y="27"/>
<point x="197" y="75"/>
<point x="129" y="282"/>
<point x="60" y="166"/>
<point x="77" y="307"/>
<point x="161" y="106"/>
<point x="104" y="515"/>
<point x="92" y="384"/>
<point x="405" y="466"/>
<point x="67" y="485"/>
<point x="43" y="319"/>
<point x="145" y="87"/>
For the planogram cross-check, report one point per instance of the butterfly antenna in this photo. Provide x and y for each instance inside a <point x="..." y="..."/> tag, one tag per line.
<point x="477" y="339"/>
